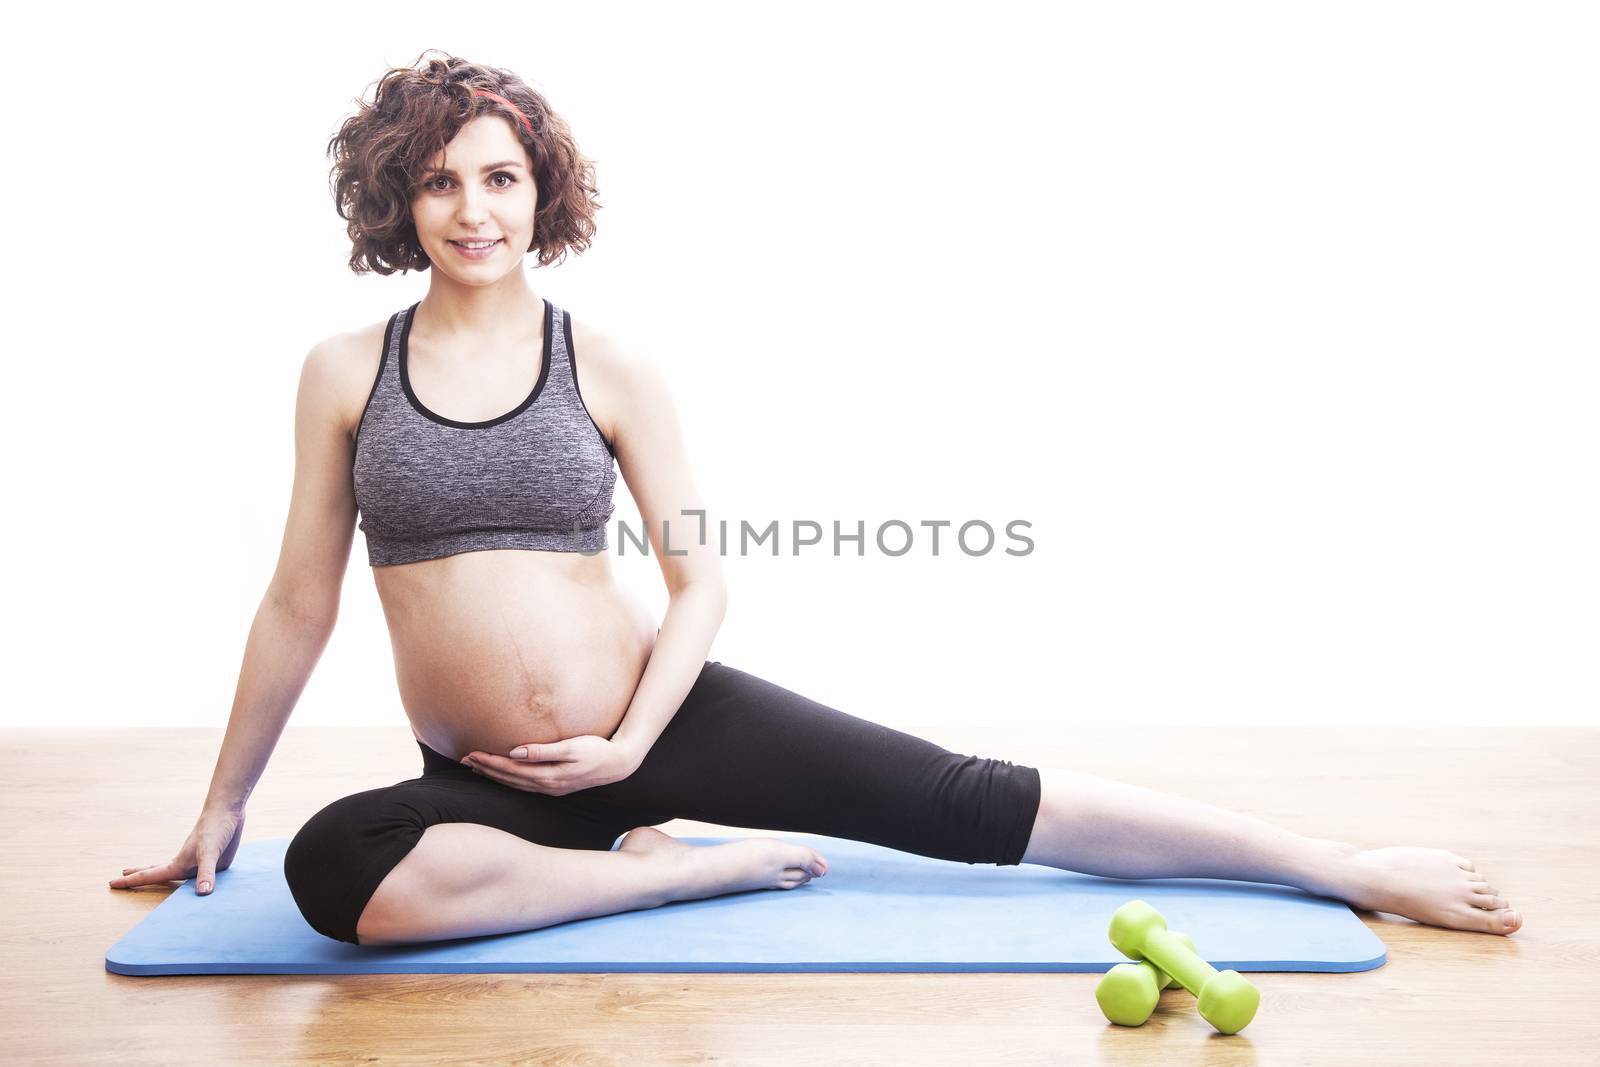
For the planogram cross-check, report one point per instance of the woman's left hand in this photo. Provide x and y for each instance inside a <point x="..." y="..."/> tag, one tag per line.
<point x="560" y="767"/>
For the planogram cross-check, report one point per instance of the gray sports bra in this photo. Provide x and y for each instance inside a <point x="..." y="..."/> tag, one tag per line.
<point x="541" y="476"/>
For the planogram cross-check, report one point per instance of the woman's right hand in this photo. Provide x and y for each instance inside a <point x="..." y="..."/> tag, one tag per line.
<point x="210" y="848"/>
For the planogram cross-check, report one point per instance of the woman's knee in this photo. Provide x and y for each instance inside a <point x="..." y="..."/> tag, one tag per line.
<point x="338" y="858"/>
<point x="1013" y="797"/>
<point x="981" y="810"/>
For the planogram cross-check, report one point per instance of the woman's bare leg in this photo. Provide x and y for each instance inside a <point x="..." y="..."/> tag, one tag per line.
<point x="470" y="880"/>
<point x="1118" y="830"/>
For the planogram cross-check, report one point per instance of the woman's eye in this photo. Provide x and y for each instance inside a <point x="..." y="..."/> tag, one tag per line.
<point x="510" y="181"/>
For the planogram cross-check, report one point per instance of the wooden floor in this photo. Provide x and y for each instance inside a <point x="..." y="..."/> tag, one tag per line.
<point x="78" y="806"/>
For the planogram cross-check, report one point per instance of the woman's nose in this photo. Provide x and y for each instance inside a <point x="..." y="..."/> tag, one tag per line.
<point x="472" y="207"/>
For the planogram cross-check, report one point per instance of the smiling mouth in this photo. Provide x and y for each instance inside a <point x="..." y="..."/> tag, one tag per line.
<point x="477" y="246"/>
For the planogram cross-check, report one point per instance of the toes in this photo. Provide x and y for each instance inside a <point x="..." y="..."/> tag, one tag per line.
<point x="1484" y="887"/>
<point x="1502" y="921"/>
<point x="1464" y="864"/>
<point x="1488" y="903"/>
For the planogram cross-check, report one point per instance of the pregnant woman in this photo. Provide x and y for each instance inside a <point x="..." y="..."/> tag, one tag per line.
<point x="553" y="713"/>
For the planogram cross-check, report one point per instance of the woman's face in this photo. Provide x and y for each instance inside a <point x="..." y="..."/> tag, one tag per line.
<point x="478" y="189"/>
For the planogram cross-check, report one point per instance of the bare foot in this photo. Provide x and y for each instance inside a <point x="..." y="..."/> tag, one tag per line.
<point x="1429" y="885"/>
<point x="753" y="863"/>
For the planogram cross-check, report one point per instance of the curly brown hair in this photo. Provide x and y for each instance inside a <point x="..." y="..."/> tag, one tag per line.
<point x="381" y="151"/>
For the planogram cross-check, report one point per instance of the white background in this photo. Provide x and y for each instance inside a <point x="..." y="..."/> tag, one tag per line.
<point x="1277" y="323"/>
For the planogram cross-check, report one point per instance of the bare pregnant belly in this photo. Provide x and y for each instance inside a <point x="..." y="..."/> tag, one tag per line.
<point x="501" y="648"/>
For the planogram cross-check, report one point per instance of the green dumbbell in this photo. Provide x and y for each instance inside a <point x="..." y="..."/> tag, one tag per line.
<point x="1129" y="992"/>
<point x="1227" y="1001"/>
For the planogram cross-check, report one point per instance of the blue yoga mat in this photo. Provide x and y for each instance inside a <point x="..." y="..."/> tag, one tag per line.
<point x="877" y="910"/>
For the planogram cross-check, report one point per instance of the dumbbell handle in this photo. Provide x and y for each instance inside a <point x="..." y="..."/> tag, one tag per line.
<point x="1165" y="952"/>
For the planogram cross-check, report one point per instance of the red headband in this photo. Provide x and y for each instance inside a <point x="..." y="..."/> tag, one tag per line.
<point x="514" y="108"/>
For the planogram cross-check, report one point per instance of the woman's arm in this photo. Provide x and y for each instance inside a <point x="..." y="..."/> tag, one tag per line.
<point x="693" y="616"/>
<point x="292" y="625"/>
<point x="297" y="615"/>
<point x="280" y="654"/>
<point x="648" y="440"/>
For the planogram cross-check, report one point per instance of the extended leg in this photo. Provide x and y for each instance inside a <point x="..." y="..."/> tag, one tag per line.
<point x="1118" y="830"/>
<point x="742" y="751"/>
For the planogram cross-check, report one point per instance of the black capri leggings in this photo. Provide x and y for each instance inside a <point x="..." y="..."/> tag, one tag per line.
<point x="739" y="751"/>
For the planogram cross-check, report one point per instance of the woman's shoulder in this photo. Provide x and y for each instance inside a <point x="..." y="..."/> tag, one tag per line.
<point x="348" y="362"/>
<point x="613" y="371"/>
<point x="611" y="354"/>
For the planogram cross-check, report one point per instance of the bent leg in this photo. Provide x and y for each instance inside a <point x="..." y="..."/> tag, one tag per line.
<point x="452" y="854"/>
<point x="742" y="751"/>
<point x="339" y="858"/>
<point x="470" y="880"/>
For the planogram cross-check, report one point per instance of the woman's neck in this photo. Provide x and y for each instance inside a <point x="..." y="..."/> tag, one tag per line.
<point x="481" y="311"/>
